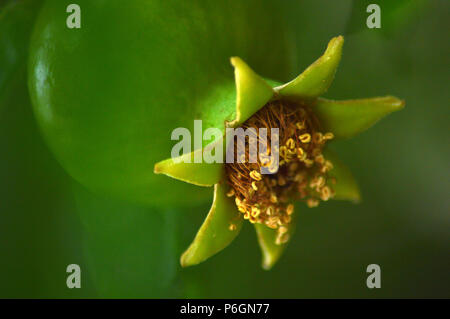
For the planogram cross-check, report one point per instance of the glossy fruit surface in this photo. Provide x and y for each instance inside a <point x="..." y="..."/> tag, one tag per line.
<point x="108" y="95"/>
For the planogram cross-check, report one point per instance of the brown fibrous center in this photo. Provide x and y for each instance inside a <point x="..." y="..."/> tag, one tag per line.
<point x="303" y="171"/>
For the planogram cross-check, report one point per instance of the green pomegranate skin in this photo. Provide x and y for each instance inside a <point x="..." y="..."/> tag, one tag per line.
<point x="108" y="95"/>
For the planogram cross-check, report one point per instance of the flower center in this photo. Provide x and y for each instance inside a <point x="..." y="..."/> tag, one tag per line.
<point x="302" y="171"/>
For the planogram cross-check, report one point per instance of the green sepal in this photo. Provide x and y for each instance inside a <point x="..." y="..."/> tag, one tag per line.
<point x="252" y="91"/>
<point x="271" y="252"/>
<point x="215" y="233"/>
<point x="317" y="78"/>
<point x="346" y="187"/>
<point x="350" y="117"/>
<point x="185" y="169"/>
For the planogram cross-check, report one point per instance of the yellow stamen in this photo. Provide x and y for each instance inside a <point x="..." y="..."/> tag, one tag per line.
<point x="305" y="138"/>
<point x="312" y="202"/>
<point x="300" y="126"/>
<point x="272" y="222"/>
<point x="230" y="193"/>
<point x="273" y="169"/>
<point x="327" y="166"/>
<point x="316" y="152"/>
<point x="325" y="193"/>
<point x="308" y="162"/>
<point x="283" y="151"/>
<point x="320" y="159"/>
<point x="290" y="209"/>
<point x="282" y="230"/>
<point x="282" y="239"/>
<point x="286" y="219"/>
<point x="255" y="212"/>
<point x="255" y="175"/>
<point x="273" y="198"/>
<point x="318" y="137"/>
<point x="242" y="208"/>
<point x="300" y="174"/>
<point x="265" y="160"/>
<point x="290" y="143"/>
<point x="328" y="136"/>
<point x="299" y="177"/>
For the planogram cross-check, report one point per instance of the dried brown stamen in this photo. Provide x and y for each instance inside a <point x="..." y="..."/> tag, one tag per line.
<point x="302" y="173"/>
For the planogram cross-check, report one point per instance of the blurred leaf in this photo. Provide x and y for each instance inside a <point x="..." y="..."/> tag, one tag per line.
<point x="131" y="251"/>
<point x="39" y="232"/>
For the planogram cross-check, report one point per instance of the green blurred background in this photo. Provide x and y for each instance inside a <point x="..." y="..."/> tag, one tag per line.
<point x="48" y="221"/>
